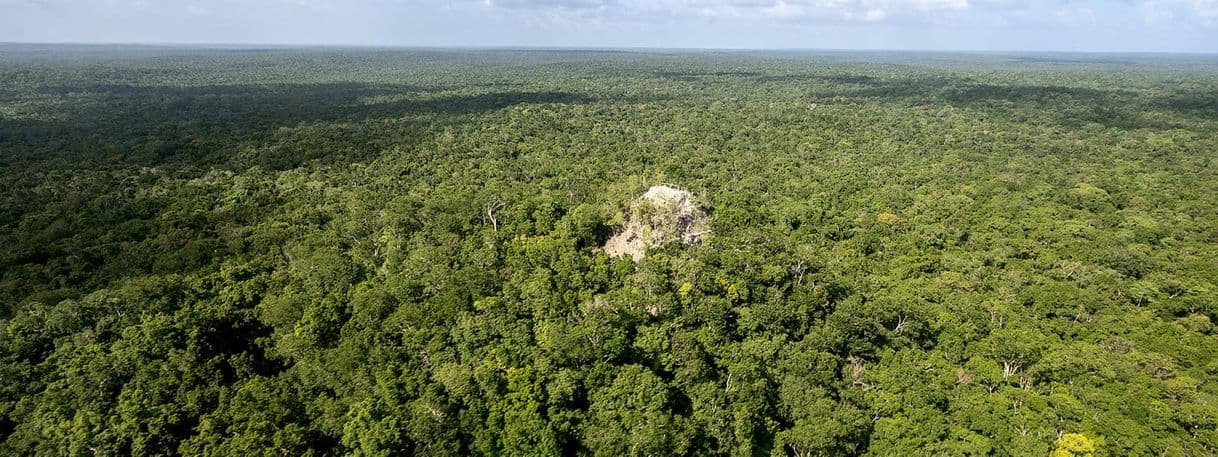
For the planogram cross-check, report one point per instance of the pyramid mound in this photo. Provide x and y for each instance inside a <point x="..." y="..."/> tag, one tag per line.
<point x="660" y="216"/>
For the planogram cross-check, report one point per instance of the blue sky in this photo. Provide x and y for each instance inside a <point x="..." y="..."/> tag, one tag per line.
<point x="1031" y="25"/>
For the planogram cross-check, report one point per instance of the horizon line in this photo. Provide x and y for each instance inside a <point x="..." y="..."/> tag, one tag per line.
<point x="518" y="47"/>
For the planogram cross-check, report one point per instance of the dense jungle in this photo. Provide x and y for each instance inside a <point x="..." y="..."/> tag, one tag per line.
<point x="378" y="251"/>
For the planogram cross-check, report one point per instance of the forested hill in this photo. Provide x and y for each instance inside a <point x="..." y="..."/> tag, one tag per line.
<point x="398" y="252"/>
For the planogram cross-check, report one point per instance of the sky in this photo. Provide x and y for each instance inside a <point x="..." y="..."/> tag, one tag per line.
<point x="983" y="25"/>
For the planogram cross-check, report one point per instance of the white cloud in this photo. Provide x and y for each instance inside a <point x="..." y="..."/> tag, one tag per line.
<point x="1076" y="17"/>
<point x="873" y="15"/>
<point x="1183" y="25"/>
<point x="807" y="10"/>
<point x="542" y="4"/>
<point x="782" y="9"/>
<point x="940" y="4"/>
<point x="1204" y="12"/>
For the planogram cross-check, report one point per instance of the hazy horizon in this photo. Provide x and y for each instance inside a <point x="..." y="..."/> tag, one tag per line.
<point x="640" y="49"/>
<point x="1158" y="26"/>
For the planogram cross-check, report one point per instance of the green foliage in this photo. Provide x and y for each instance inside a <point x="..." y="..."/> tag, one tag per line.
<point x="397" y="252"/>
<point x="1073" y="445"/>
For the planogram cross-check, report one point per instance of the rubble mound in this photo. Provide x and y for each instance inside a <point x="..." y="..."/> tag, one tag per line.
<point x="662" y="215"/>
